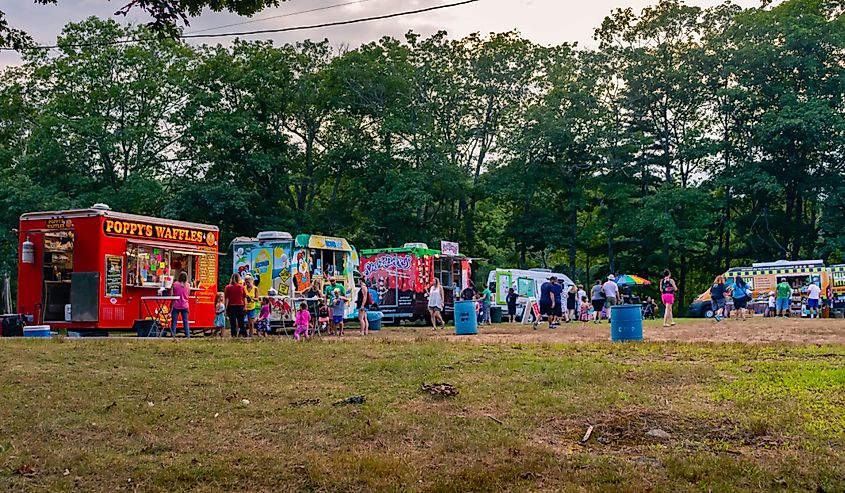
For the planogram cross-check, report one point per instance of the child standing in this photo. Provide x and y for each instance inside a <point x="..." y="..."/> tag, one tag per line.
<point x="771" y="306"/>
<point x="303" y="320"/>
<point x="338" y="311"/>
<point x="323" y="319"/>
<point x="584" y="312"/>
<point x="262" y="325"/>
<point x="219" y="315"/>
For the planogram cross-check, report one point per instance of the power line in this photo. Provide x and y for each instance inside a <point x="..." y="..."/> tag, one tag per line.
<point x="290" y="14"/>
<point x="261" y="31"/>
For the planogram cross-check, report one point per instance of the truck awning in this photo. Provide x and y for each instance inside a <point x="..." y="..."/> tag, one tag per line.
<point x="175" y="247"/>
<point x="328" y="243"/>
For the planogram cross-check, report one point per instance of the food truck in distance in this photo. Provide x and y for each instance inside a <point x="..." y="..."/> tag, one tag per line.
<point x="401" y="278"/>
<point x="98" y="270"/>
<point x="315" y="259"/>
<point x="763" y="277"/>
<point x="267" y="259"/>
<point x="526" y="283"/>
<point x="837" y="287"/>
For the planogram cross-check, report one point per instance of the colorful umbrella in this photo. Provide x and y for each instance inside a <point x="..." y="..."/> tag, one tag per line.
<point x="632" y="280"/>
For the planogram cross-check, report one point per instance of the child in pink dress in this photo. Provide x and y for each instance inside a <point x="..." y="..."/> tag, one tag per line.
<point x="303" y="319"/>
<point x="584" y="312"/>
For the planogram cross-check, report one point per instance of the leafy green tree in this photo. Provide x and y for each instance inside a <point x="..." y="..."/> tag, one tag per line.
<point x="166" y="14"/>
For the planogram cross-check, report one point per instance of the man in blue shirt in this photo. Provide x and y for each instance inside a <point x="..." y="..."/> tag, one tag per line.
<point x="546" y="301"/>
<point x="557" y="309"/>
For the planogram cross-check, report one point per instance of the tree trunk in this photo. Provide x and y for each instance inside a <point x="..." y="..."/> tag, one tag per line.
<point x="683" y="280"/>
<point x="573" y="238"/>
<point x="799" y="225"/>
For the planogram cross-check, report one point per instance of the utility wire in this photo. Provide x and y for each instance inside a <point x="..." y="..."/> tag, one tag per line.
<point x="290" y="14"/>
<point x="261" y="31"/>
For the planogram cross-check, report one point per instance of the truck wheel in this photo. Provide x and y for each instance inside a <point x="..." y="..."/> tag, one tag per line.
<point x="709" y="313"/>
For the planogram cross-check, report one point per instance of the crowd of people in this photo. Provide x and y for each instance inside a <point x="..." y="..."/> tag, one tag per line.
<point x="595" y="306"/>
<point x="779" y="303"/>
<point x="249" y="315"/>
<point x="324" y="305"/>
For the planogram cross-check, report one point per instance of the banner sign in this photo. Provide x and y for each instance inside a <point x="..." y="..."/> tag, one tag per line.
<point x="146" y="231"/>
<point x="449" y="248"/>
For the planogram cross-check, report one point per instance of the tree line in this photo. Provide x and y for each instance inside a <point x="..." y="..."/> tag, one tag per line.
<point x="688" y="138"/>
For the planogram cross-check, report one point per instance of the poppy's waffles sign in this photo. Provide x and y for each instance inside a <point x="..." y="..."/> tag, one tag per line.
<point x="159" y="232"/>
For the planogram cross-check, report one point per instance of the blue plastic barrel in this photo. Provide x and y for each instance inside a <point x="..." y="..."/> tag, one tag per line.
<point x="374" y="318"/>
<point x="626" y="323"/>
<point x="465" y="318"/>
<point x="37" y="331"/>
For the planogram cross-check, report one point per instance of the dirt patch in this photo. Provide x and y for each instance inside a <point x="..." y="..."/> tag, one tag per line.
<point x="757" y="330"/>
<point x="627" y="430"/>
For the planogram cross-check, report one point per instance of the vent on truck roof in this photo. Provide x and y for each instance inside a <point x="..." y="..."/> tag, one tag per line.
<point x="424" y="246"/>
<point x="274" y="235"/>
<point x="101" y="207"/>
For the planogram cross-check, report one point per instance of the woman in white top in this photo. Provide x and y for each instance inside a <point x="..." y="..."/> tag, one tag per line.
<point x="435" y="304"/>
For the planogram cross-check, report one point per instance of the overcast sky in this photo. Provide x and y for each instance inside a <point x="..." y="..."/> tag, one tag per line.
<point x="543" y="21"/>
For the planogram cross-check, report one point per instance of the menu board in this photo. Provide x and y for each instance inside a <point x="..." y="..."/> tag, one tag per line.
<point x="114" y="276"/>
<point x="206" y="270"/>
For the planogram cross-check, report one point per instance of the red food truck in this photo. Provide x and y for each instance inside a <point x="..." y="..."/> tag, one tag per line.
<point x="401" y="278"/>
<point x="95" y="270"/>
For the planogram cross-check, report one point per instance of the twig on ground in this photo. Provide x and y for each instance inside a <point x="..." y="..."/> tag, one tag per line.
<point x="587" y="435"/>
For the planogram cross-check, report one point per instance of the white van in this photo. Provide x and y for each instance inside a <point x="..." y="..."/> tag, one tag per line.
<point x="526" y="283"/>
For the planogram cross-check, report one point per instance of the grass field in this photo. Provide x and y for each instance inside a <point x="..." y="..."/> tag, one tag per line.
<point x="211" y="415"/>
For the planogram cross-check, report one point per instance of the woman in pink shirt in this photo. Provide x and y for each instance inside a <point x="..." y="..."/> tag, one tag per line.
<point x="182" y="291"/>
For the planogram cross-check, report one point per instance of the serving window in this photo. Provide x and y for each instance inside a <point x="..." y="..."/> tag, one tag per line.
<point x="151" y="266"/>
<point x="330" y="262"/>
<point x="146" y="266"/>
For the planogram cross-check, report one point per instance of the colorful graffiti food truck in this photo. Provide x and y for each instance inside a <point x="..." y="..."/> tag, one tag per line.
<point x="837" y="287"/>
<point x="98" y="270"/>
<point x="401" y="278"/>
<point x="763" y="277"/>
<point x="291" y="267"/>
<point x="267" y="259"/>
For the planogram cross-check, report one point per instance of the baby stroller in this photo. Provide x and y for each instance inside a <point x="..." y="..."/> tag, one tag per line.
<point x="649" y="309"/>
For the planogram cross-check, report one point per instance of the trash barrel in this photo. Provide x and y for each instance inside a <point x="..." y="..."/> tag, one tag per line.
<point x="375" y="320"/>
<point x="626" y="323"/>
<point x="496" y="314"/>
<point x="466" y="322"/>
<point x="37" y="331"/>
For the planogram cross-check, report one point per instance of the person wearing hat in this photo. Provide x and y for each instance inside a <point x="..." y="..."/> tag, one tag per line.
<point x="611" y="292"/>
<point x="771" y="305"/>
<point x="784" y="297"/>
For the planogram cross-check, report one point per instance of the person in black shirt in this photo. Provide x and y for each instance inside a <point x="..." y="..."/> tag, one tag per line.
<point x="468" y="294"/>
<point x="511" y="301"/>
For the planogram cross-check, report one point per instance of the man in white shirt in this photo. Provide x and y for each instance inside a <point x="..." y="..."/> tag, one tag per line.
<point x="611" y="292"/>
<point x="813" y="297"/>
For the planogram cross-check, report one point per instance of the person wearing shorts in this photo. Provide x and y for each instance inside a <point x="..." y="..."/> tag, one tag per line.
<point x="741" y="295"/>
<point x="338" y="309"/>
<point x="611" y="292"/>
<point x="597" y="299"/>
<point x="784" y="298"/>
<point x="717" y="298"/>
<point x="667" y="296"/>
<point x="546" y="302"/>
<point x="557" y="306"/>
<point x="813" y="297"/>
